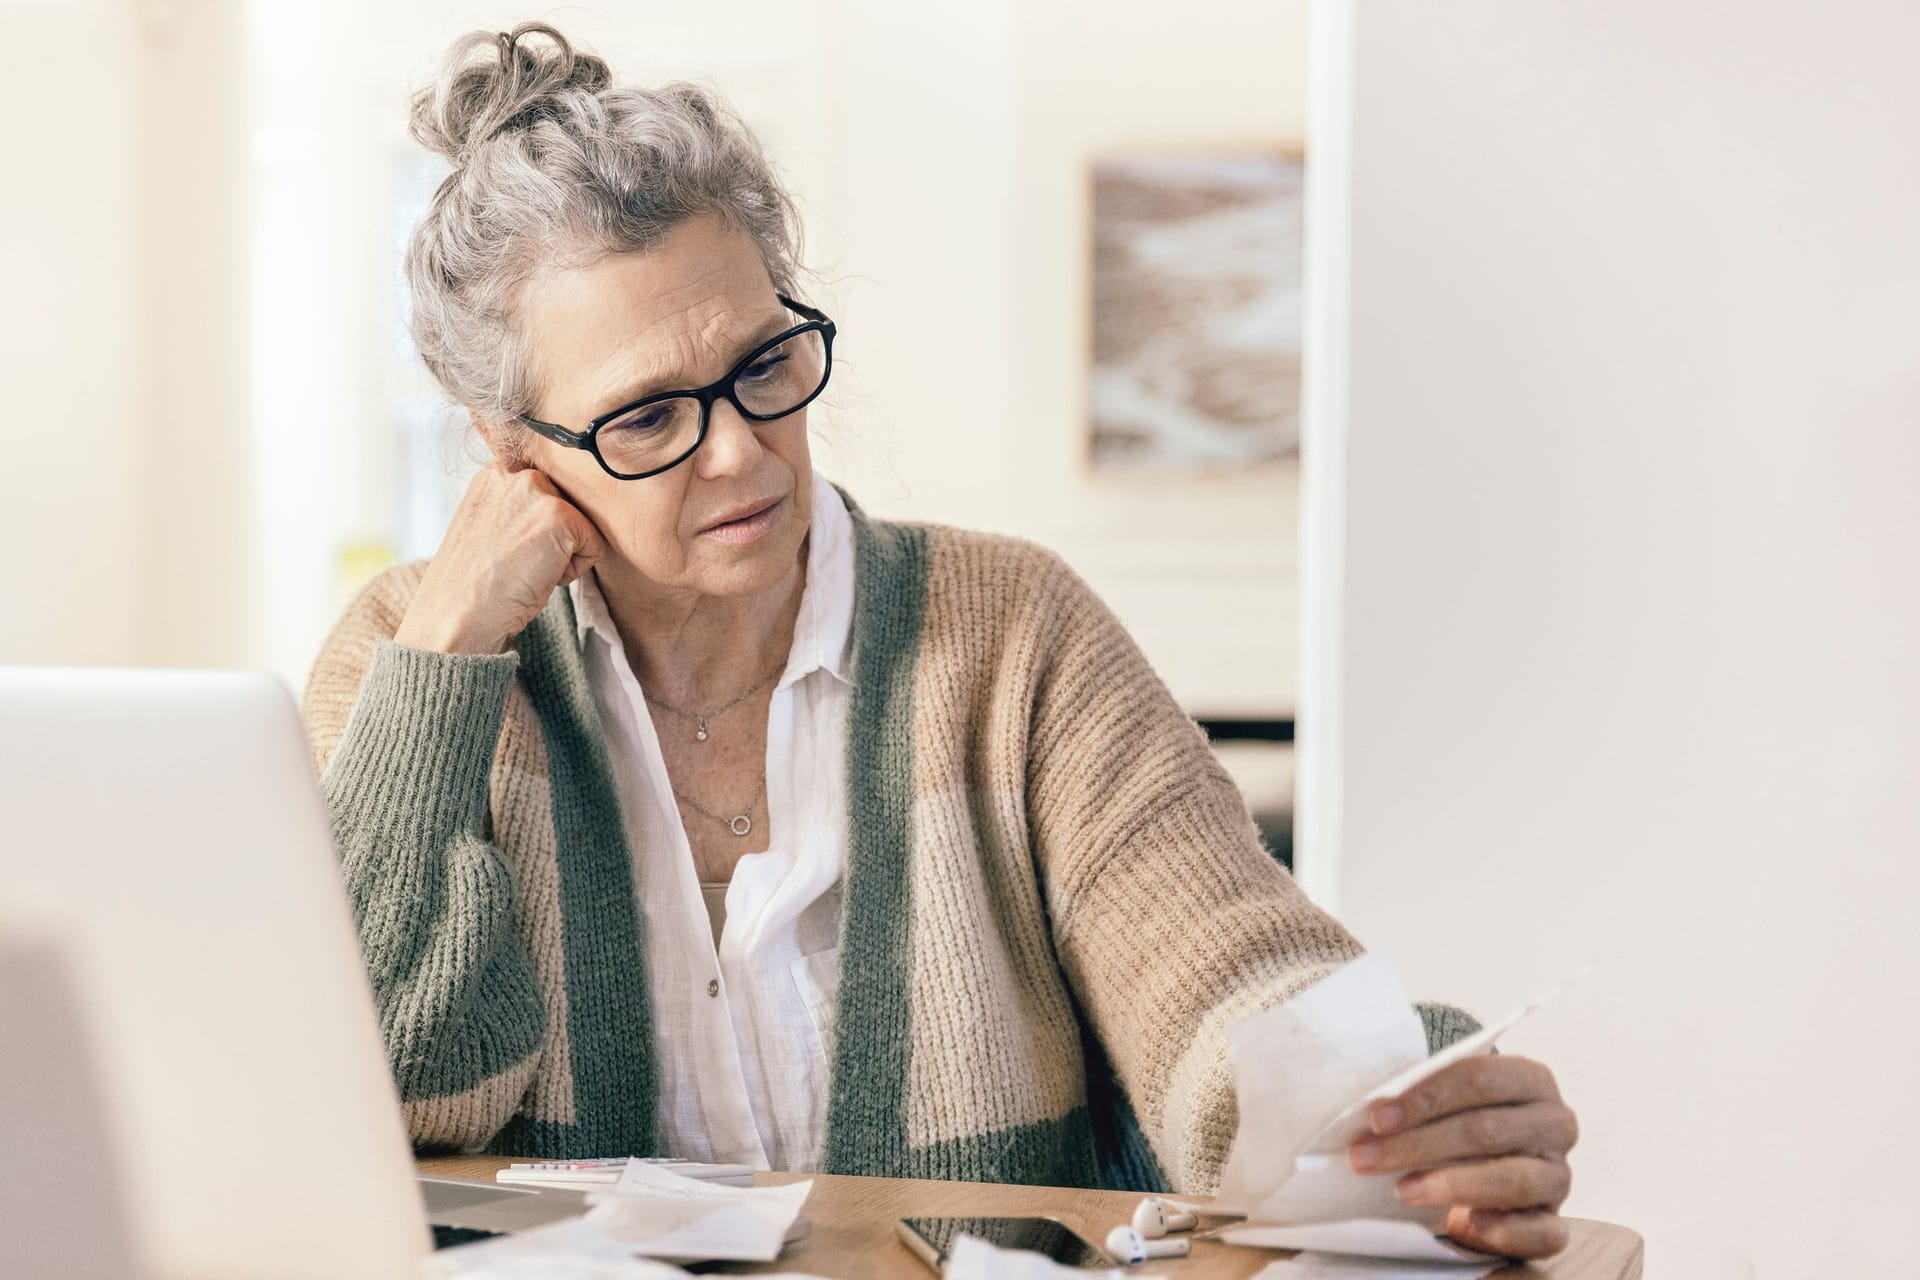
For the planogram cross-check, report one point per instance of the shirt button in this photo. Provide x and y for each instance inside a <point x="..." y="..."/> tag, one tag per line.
<point x="713" y="986"/>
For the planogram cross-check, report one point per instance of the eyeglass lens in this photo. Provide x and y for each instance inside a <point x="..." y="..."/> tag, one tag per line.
<point x="778" y="381"/>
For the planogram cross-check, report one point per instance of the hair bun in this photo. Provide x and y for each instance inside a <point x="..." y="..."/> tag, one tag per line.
<point x="510" y="84"/>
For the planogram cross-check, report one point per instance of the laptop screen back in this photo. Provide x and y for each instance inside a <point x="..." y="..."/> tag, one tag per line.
<point x="169" y="826"/>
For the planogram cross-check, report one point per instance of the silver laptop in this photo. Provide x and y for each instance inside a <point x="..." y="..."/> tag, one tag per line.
<point x="167" y="828"/>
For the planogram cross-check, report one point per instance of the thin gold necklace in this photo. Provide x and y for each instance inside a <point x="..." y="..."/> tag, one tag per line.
<point x="700" y="719"/>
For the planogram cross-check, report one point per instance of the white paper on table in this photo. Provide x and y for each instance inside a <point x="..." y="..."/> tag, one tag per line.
<point x="1364" y="1237"/>
<point x="1336" y="1266"/>
<point x="1305" y="1074"/>
<point x="571" y="1249"/>
<point x="664" y="1215"/>
<point x="972" y="1258"/>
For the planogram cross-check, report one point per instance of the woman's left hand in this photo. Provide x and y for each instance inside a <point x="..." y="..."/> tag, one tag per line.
<point x="1488" y="1137"/>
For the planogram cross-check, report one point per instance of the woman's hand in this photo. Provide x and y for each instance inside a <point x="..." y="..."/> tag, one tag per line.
<point x="513" y="540"/>
<point x="1489" y="1137"/>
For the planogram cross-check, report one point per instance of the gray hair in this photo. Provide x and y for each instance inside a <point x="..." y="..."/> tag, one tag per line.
<point x="554" y="166"/>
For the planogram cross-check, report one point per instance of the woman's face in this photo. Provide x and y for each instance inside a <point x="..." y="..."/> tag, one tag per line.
<point x="678" y="316"/>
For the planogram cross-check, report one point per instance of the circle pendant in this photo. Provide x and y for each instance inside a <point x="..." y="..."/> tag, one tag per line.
<point x="741" y="825"/>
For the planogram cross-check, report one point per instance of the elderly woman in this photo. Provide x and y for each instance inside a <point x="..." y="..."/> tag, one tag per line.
<point x="688" y="809"/>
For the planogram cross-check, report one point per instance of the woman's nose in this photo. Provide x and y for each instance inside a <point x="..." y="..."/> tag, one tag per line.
<point x="731" y="447"/>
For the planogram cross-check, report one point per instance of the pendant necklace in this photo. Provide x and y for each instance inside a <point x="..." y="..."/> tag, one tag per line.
<point x="741" y="823"/>
<point x="700" y="719"/>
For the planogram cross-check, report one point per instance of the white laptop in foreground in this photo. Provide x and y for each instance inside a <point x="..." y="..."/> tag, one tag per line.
<point x="165" y="827"/>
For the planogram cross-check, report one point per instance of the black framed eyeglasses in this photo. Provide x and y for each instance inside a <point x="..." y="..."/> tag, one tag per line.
<point x="780" y="376"/>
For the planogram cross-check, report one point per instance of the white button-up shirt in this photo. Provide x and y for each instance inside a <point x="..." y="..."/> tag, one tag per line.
<point x="743" y="1035"/>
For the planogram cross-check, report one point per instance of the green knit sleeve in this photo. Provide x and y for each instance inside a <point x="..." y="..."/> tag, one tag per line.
<point x="458" y="1003"/>
<point x="1445" y="1024"/>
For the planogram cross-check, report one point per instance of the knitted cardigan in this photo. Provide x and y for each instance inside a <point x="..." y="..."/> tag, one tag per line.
<point x="1055" y="901"/>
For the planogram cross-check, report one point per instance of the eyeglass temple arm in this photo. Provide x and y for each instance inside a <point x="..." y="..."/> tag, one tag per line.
<point x="553" y="432"/>
<point x="802" y="309"/>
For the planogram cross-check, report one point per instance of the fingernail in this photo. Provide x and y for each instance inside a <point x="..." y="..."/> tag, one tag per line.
<point x="1410" y="1188"/>
<point x="1365" y="1155"/>
<point x="1387" y="1117"/>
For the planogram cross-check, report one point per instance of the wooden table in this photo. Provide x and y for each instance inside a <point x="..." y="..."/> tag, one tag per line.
<point x="852" y="1236"/>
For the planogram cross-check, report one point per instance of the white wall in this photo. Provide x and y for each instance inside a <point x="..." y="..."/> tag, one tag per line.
<point x="1631" y="574"/>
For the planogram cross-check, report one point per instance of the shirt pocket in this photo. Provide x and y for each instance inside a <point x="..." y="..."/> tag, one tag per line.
<point x="817" y="977"/>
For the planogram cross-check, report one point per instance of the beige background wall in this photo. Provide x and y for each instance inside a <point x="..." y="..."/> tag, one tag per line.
<point x="127" y="533"/>
<point x="75" y="350"/>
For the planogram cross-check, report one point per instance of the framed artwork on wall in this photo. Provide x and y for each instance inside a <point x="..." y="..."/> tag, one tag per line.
<point x="1196" y="324"/>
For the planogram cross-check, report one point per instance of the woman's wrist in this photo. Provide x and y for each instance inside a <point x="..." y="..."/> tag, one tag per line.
<point x="430" y="630"/>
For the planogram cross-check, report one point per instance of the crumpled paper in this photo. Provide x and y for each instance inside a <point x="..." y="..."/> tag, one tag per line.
<point x="1305" y="1074"/>
<point x="659" y="1214"/>
<point x="571" y="1249"/>
<point x="647" y="1217"/>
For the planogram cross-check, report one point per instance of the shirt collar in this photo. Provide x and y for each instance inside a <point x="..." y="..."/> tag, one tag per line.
<point x="824" y="624"/>
<point x="589" y="609"/>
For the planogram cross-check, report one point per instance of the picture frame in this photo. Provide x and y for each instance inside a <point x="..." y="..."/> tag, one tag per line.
<point x="1195" y="310"/>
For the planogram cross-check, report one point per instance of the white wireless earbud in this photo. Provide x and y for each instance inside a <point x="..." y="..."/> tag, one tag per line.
<point x="1130" y="1246"/>
<point x="1155" y="1218"/>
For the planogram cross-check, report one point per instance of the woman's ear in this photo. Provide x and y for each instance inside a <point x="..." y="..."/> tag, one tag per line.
<point x="501" y="440"/>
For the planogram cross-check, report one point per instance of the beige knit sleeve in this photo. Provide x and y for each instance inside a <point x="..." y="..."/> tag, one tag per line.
<point x="1169" y="916"/>
<point x="333" y="684"/>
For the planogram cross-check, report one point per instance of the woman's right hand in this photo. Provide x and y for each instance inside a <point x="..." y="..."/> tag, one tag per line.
<point x="514" y="539"/>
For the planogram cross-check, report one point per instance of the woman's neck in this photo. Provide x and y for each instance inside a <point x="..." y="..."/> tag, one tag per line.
<point x="697" y="650"/>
